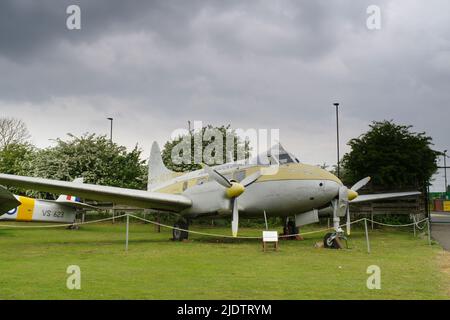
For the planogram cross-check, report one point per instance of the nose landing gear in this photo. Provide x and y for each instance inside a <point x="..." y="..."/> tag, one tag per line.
<point x="333" y="240"/>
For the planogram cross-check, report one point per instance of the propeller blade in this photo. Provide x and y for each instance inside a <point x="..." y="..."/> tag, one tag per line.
<point x="251" y="178"/>
<point x="235" y="221"/>
<point x="342" y="201"/>
<point x="220" y="179"/>
<point x="361" y="183"/>
<point x="348" y="221"/>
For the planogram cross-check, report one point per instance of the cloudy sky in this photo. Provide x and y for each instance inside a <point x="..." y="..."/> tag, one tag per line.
<point x="154" y="65"/>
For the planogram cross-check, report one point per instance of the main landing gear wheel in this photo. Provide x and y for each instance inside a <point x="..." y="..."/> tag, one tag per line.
<point x="333" y="241"/>
<point x="180" y="235"/>
<point x="289" y="230"/>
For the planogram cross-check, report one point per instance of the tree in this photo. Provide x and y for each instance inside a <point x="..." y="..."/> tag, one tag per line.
<point x="392" y="155"/>
<point x="92" y="157"/>
<point x="13" y="158"/>
<point x="209" y="136"/>
<point x="12" y="131"/>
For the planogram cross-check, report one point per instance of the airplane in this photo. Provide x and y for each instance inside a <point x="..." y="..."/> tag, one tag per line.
<point x="19" y="208"/>
<point x="232" y="189"/>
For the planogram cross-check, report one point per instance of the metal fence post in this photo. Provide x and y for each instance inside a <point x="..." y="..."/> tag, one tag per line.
<point x="367" y="235"/>
<point x="371" y="218"/>
<point x="429" y="231"/>
<point x="126" y="237"/>
<point x="265" y="219"/>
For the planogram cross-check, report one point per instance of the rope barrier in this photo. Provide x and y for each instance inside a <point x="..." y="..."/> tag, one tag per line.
<point x="240" y="237"/>
<point x="211" y="234"/>
<point x="191" y="231"/>
<point x="60" y="225"/>
<point x="317" y="231"/>
<point x="397" y="225"/>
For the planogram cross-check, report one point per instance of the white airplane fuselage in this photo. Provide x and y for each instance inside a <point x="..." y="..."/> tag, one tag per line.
<point x="39" y="211"/>
<point x="294" y="188"/>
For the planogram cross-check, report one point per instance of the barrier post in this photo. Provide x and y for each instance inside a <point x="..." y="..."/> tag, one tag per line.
<point x="367" y="236"/>
<point x="371" y="218"/>
<point x="113" y="214"/>
<point x="126" y="236"/>
<point x="429" y="231"/>
<point x="265" y="219"/>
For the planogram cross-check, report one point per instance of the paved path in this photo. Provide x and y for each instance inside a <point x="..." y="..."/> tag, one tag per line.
<point x="440" y="228"/>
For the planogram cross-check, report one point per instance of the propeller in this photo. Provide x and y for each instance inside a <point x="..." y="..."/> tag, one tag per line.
<point x="361" y="183"/>
<point x="345" y="196"/>
<point x="233" y="190"/>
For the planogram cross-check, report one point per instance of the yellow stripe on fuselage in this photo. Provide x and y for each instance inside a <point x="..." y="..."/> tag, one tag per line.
<point x="25" y="211"/>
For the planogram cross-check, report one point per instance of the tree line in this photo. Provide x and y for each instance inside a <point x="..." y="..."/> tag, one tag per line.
<point x="393" y="155"/>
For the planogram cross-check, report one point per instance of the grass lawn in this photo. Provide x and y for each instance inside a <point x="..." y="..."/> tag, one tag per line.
<point x="33" y="265"/>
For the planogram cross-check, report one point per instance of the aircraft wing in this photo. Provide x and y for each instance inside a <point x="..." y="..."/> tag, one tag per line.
<point x="72" y="204"/>
<point x="132" y="197"/>
<point x="7" y="200"/>
<point x="381" y="196"/>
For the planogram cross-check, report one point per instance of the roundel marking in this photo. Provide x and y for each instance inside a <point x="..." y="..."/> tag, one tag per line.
<point x="12" y="211"/>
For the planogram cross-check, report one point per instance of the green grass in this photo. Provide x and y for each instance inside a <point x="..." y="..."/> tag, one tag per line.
<point x="33" y="265"/>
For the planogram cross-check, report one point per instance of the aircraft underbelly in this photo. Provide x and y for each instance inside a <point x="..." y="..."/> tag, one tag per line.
<point x="288" y="197"/>
<point x="277" y="198"/>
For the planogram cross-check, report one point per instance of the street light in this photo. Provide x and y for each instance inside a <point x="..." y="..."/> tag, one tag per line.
<point x="445" y="171"/>
<point x="336" y="104"/>
<point x="110" y="134"/>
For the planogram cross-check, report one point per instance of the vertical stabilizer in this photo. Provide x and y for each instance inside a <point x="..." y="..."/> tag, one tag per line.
<point x="157" y="171"/>
<point x="64" y="197"/>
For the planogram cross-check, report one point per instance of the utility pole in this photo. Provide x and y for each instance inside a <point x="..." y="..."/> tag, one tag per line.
<point x="110" y="133"/>
<point x="445" y="172"/>
<point x="336" y="104"/>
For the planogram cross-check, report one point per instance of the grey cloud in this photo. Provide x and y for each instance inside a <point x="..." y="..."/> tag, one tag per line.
<point x="250" y="63"/>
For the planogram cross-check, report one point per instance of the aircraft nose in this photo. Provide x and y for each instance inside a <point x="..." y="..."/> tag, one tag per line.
<point x="332" y="188"/>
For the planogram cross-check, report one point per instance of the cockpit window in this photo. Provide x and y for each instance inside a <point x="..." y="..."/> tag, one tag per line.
<point x="285" y="158"/>
<point x="270" y="157"/>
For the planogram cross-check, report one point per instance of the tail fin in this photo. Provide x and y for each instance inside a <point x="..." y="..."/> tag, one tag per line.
<point x="157" y="171"/>
<point x="64" y="197"/>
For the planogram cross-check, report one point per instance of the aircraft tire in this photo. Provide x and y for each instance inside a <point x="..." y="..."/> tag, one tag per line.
<point x="290" y="229"/>
<point x="331" y="243"/>
<point x="179" y="235"/>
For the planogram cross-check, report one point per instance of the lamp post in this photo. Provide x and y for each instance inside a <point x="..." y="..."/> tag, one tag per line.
<point x="336" y="104"/>
<point x="445" y="171"/>
<point x="110" y="134"/>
